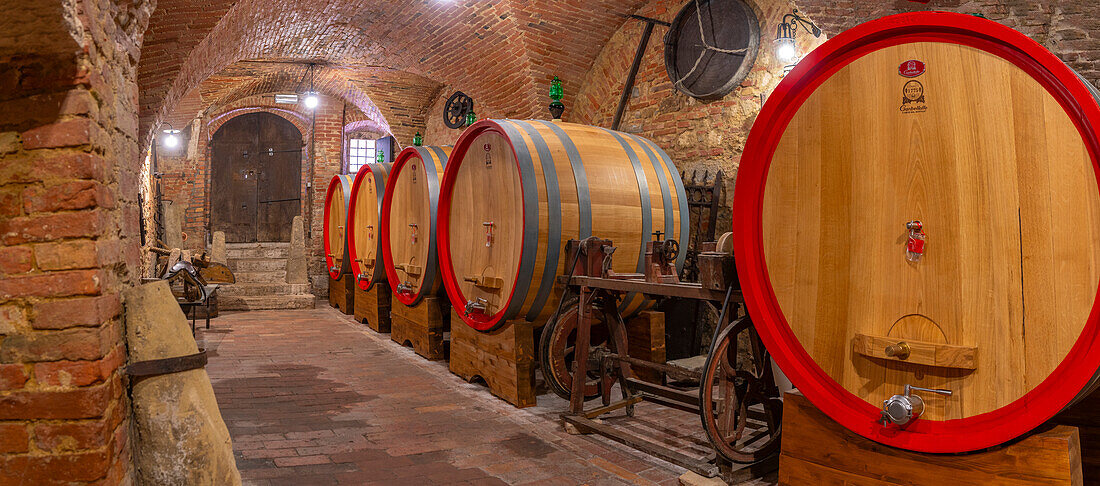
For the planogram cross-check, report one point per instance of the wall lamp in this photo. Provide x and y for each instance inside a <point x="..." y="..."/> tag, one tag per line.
<point x="171" y="136"/>
<point x="786" y="49"/>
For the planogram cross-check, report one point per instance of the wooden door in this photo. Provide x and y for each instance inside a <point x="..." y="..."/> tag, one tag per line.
<point x="255" y="178"/>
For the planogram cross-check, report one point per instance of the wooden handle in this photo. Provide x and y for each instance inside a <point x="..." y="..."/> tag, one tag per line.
<point x="410" y="269"/>
<point x="492" y="283"/>
<point x="916" y="352"/>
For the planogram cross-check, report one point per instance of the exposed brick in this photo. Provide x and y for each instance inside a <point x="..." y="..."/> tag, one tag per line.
<point x="79" y="312"/>
<point x="67" y="437"/>
<point x="12" y="377"/>
<point x="46" y="227"/>
<point x="61" y="134"/>
<point x="81" y="403"/>
<point x="66" y="255"/>
<point x="55" y="284"/>
<point x="53" y="469"/>
<point x="71" y="344"/>
<point x="15" y="259"/>
<point x="14" y="438"/>
<point x="12" y="318"/>
<point x="80" y="194"/>
<point x="78" y="373"/>
<point x="36" y="166"/>
<point x="11" y="202"/>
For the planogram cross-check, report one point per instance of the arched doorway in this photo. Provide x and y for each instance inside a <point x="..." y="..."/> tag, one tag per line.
<point x="256" y="174"/>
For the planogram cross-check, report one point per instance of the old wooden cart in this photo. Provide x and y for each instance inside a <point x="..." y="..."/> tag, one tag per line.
<point x="734" y="393"/>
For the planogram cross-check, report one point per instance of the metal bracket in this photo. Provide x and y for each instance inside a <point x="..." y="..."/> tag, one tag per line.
<point x="164" y="366"/>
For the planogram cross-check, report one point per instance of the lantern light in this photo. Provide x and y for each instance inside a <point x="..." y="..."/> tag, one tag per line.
<point x="786" y="48"/>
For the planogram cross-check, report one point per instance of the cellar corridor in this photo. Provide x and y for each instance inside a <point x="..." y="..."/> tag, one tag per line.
<point x="311" y="397"/>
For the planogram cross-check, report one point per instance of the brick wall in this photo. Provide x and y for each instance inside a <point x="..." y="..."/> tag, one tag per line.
<point x="702" y="136"/>
<point x="1069" y="28"/>
<point x="186" y="169"/>
<point x="68" y="228"/>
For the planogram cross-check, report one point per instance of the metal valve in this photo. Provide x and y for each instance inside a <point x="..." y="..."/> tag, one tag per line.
<point x="902" y="409"/>
<point x="404" y="288"/>
<point x="488" y="233"/>
<point x="415" y="230"/>
<point x="479" y="305"/>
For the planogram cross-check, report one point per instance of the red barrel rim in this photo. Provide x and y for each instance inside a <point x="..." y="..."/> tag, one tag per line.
<point x="384" y="228"/>
<point x="355" y="266"/>
<point x="958" y="435"/>
<point x="335" y="274"/>
<point x="480" y="322"/>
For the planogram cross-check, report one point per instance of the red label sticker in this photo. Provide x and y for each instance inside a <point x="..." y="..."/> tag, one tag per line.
<point x="488" y="147"/>
<point x="911" y="68"/>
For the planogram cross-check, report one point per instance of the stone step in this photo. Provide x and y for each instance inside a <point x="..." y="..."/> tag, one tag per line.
<point x="244" y="265"/>
<point x="256" y="289"/>
<point x="270" y="277"/>
<point x="262" y="302"/>
<point x="257" y="252"/>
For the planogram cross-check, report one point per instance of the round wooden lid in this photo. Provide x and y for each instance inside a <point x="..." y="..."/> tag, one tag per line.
<point x="335" y="220"/>
<point x="408" y="221"/>
<point x="363" y="241"/>
<point x="485" y="225"/>
<point x="918" y="205"/>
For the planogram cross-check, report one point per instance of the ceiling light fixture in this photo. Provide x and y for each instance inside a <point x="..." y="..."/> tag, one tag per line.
<point x="311" y="99"/>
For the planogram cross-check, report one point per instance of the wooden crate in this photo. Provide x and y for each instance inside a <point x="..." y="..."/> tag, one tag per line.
<point x="372" y="307"/>
<point x="341" y="294"/>
<point x="504" y="358"/>
<point x="421" y="327"/>
<point x="817" y="450"/>
<point x="645" y="339"/>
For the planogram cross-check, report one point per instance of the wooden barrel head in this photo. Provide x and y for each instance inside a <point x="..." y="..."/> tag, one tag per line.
<point x="335" y="225"/>
<point x="408" y="221"/>
<point x="487" y="196"/>
<point x="363" y="236"/>
<point x="991" y="146"/>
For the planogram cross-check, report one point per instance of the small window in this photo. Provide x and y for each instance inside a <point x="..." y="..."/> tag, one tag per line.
<point x="360" y="152"/>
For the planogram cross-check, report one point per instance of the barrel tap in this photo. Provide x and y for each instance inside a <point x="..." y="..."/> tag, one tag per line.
<point x="902" y="409"/>
<point x="478" y="305"/>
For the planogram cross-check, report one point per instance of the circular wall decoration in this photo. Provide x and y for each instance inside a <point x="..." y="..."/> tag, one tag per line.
<point x="711" y="46"/>
<point x="454" y="113"/>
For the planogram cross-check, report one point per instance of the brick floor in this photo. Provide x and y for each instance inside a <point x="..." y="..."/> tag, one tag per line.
<point x="311" y="398"/>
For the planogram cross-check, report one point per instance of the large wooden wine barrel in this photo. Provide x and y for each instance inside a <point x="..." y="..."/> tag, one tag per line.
<point x="987" y="140"/>
<point x="517" y="191"/>
<point x="364" y="208"/>
<point x="409" y="209"/>
<point x="335" y="225"/>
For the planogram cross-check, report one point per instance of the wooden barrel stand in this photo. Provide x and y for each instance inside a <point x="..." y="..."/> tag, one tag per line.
<point x="645" y="339"/>
<point x="340" y="294"/>
<point x="422" y="326"/>
<point x="372" y="307"/>
<point x="817" y="450"/>
<point x="504" y="358"/>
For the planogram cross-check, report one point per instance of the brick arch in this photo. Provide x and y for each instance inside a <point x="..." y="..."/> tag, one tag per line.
<point x="501" y="53"/>
<point x="299" y="120"/>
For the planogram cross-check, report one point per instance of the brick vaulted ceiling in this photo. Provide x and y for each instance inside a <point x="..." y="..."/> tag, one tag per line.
<point x="388" y="57"/>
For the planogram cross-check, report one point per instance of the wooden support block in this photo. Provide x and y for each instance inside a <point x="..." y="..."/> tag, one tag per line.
<point x="422" y="326"/>
<point x="645" y="339"/>
<point x="1085" y="416"/>
<point x="341" y="293"/>
<point x="372" y="307"/>
<point x="817" y="450"/>
<point x="504" y="358"/>
<point x="917" y="352"/>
